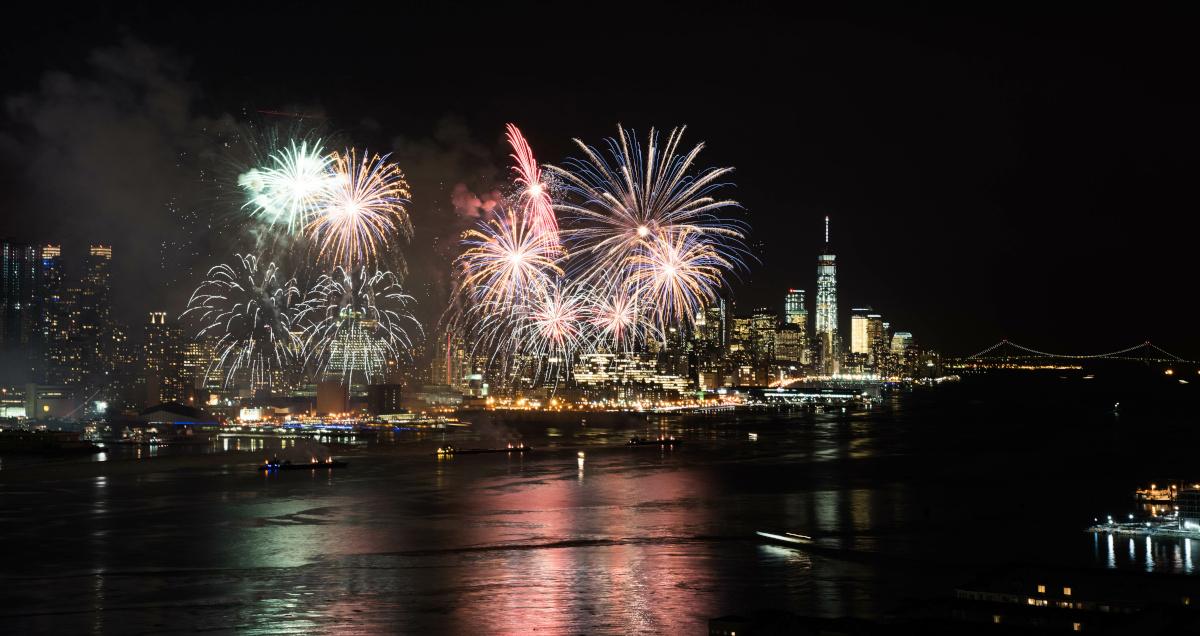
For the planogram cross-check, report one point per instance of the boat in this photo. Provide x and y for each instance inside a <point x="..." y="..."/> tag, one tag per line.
<point x="661" y="441"/>
<point x="274" y="465"/>
<point x="787" y="538"/>
<point x="519" y="447"/>
<point x="1154" y="494"/>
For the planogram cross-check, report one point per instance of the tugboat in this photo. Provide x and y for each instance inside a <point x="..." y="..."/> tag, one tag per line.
<point x="274" y="464"/>
<point x="661" y="441"/>
<point x="519" y="447"/>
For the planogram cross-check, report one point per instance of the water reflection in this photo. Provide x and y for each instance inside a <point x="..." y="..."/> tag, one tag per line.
<point x="619" y="540"/>
<point x="1155" y="554"/>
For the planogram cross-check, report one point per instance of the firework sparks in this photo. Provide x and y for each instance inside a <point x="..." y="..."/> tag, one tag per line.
<point x="532" y="192"/>
<point x="617" y="320"/>
<point x="247" y="310"/>
<point x="292" y="189"/>
<point x="553" y="324"/>
<point x="676" y="276"/>
<point x="620" y="208"/>
<point x="363" y="210"/>
<point x="356" y="325"/>
<point x="506" y="258"/>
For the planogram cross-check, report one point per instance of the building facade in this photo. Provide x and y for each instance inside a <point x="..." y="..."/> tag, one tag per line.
<point x="826" y="319"/>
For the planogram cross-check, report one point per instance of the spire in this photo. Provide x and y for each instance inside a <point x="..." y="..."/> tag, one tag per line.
<point x="826" y="229"/>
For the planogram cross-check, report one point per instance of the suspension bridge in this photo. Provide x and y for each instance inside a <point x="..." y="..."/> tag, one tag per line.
<point x="1007" y="351"/>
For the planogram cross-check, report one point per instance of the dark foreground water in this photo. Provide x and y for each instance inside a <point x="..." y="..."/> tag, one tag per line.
<point x="925" y="491"/>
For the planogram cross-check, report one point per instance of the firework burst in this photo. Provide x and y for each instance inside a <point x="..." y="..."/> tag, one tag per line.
<point x="675" y="276"/>
<point x="247" y="311"/>
<point x="617" y="320"/>
<point x="619" y="208"/>
<point x="553" y="325"/>
<point x="506" y="259"/>
<point x="356" y="324"/>
<point x="362" y="212"/>
<point x="290" y="191"/>
<point x="533" y="195"/>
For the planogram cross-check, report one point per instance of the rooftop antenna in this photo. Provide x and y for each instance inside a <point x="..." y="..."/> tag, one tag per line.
<point x="827" y="229"/>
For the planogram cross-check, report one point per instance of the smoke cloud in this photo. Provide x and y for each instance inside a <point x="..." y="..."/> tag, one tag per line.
<point x="116" y="155"/>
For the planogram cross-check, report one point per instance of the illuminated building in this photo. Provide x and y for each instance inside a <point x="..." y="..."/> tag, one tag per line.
<point x="54" y="316"/>
<point x="826" y="320"/>
<point x="125" y="384"/>
<point x="763" y="323"/>
<point x="902" y="341"/>
<point x="714" y="320"/>
<point x="164" y="360"/>
<point x="739" y="348"/>
<point x="795" y="313"/>
<point x="790" y="346"/>
<point x="354" y="351"/>
<point x="709" y="326"/>
<point x="860" y="341"/>
<point x="625" y="377"/>
<point x="18" y="283"/>
<point x="383" y="399"/>
<point x="93" y="321"/>
<point x="876" y="338"/>
<point x="197" y="359"/>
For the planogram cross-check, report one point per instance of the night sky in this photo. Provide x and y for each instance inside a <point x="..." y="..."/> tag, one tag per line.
<point x="987" y="177"/>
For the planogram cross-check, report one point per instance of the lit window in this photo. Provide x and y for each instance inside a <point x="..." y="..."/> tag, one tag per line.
<point x="1187" y="600"/>
<point x="1066" y="591"/>
<point x="1077" y="627"/>
<point x="1041" y="589"/>
<point x="995" y="618"/>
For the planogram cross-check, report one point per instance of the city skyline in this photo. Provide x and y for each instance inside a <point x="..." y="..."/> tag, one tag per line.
<point x="596" y="319"/>
<point x="979" y="238"/>
<point x="59" y="332"/>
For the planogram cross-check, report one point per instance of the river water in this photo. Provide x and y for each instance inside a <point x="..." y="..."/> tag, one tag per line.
<point x="921" y="492"/>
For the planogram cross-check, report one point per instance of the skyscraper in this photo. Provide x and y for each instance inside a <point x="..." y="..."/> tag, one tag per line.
<point x="860" y="340"/>
<point x="794" y="311"/>
<point x="164" y="360"/>
<point x="826" y="325"/>
<point x="763" y="323"/>
<point x="94" y="324"/>
<point x="354" y="354"/>
<point x="876" y="334"/>
<point x="18" y="281"/>
<point x="54" y="317"/>
<point x="199" y="356"/>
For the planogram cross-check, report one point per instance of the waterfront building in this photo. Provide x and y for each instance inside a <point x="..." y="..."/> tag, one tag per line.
<point x="790" y="347"/>
<point x="902" y="341"/>
<point x="92" y="328"/>
<point x="877" y="339"/>
<point x="18" y="283"/>
<point x="715" y="325"/>
<point x="763" y="323"/>
<point x="163" y="353"/>
<point x="826" y="320"/>
<point x="625" y="377"/>
<point x="1188" y="503"/>
<point x="794" y="310"/>
<point x="53" y="316"/>
<point x="198" y="360"/>
<point x="354" y="354"/>
<point x="860" y="342"/>
<point x="383" y="399"/>
<point x="795" y="313"/>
